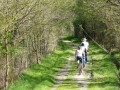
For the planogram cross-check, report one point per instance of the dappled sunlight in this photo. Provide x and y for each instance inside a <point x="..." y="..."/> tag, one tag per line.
<point x="66" y="41"/>
<point x="58" y="71"/>
<point x="68" y="84"/>
<point x="42" y="76"/>
<point x="103" y="69"/>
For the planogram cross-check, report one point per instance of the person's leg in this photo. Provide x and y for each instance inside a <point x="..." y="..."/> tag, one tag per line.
<point x="83" y="61"/>
<point x="78" y="63"/>
<point x="80" y="67"/>
<point x="86" y="58"/>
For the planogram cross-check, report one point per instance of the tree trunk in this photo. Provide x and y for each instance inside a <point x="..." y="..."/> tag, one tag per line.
<point x="7" y="65"/>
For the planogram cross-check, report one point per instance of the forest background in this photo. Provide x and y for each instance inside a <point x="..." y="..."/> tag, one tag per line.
<point x="31" y="29"/>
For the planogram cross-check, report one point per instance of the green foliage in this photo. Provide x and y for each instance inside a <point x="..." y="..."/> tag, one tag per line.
<point x="42" y="76"/>
<point x="97" y="19"/>
<point x="29" y="30"/>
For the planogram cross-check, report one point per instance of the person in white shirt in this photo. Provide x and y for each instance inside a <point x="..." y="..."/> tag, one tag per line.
<point x="86" y="46"/>
<point x="79" y="56"/>
<point x="83" y="49"/>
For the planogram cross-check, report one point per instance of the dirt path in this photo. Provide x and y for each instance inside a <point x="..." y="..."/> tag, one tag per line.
<point x="82" y="80"/>
<point x="62" y="75"/>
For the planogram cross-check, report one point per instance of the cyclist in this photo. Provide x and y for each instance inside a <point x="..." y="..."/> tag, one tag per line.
<point x="86" y="46"/>
<point x="79" y="54"/>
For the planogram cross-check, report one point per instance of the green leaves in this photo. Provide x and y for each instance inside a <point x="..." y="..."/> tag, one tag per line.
<point x="99" y="17"/>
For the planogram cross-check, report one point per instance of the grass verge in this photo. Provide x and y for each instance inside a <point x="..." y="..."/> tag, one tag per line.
<point x="42" y="76"/>
<point x="103" y="69"/>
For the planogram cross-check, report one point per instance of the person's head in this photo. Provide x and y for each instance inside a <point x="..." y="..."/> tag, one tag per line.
<point x="78" y="47"/>
<point x="84" y="39"/>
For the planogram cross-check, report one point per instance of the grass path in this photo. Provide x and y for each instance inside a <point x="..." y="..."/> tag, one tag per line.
<point x="62" y="75"/>
<point x="72" y="80"/>
<point x="58" y="71"/>
<point x="100" y="73"/>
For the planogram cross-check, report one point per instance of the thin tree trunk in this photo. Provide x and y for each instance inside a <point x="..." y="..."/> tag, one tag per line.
<point x="7" y="67"/>
<point x="6" y="53"/>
